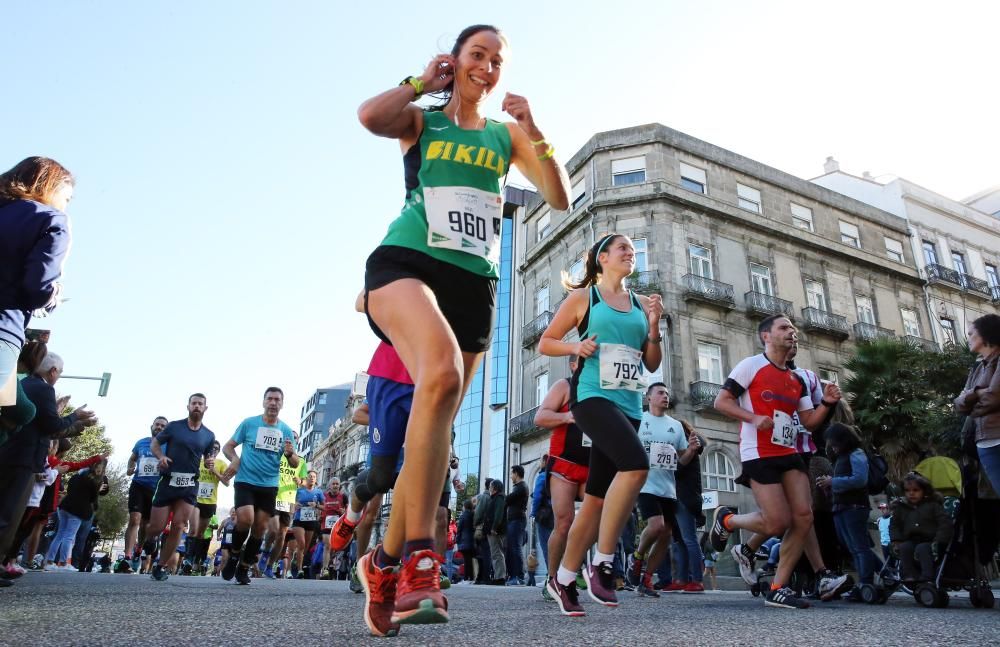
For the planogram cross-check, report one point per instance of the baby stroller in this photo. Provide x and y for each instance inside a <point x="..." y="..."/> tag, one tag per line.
<point x="959" y="566"/>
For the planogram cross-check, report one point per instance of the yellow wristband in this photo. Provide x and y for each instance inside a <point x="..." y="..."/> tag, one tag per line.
<point x="539" y="142"/>
<point x="547" y="154"/>
<point x="416" y="84"/>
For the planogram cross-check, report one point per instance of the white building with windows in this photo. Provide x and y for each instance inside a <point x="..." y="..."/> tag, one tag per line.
<point x="727" y="241"/>
<point x="956" y="246"/>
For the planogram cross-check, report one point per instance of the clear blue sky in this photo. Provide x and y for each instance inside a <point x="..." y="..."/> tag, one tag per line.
<point x="227" y="196"/>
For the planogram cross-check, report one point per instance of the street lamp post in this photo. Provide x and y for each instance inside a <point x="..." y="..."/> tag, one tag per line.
<point x="105" y="380"/>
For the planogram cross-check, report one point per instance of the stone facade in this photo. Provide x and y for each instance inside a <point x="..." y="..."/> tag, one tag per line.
<point x="724" y="248"/>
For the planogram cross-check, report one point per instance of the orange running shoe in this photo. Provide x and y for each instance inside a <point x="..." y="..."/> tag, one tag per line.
<point x="379" y="585"/>
<point x="420" y="600"/>
<point x="341" y="533"/>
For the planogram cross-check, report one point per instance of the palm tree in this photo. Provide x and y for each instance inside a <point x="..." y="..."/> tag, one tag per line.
<point x="901" y="396"/>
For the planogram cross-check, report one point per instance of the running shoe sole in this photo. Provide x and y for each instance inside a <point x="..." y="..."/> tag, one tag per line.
<point x="365" y="587"/>
<point x="746" y="566"/>
<point x="558" y="599"/>
<point x="425" y="614"/>
<point x="593" y="596"/>
<point x="768" y="602"/>
<point x="844" y="587"/>
<point x="718" y="543"/>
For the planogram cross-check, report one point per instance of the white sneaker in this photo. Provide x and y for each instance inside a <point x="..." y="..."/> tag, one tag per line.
<point x="746" y="565"/>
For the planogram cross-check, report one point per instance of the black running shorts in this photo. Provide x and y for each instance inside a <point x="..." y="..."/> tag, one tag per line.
<point x="140" y="499"/>
<point x="769" y="471"/>
<point x="261" y="498"/>
<point x="466" y="300"/>
<point x="651" y="506"/>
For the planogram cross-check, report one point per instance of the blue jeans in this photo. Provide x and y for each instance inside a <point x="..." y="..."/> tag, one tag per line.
<point x="62" y="544"/>
<point x="989" y="458"/>
<point x="81" y="542"/>
<point x="689" y="557"/>
<point x="514" y="543"/>
<point x="852" y="529"/>
<point x="543" y="549"/>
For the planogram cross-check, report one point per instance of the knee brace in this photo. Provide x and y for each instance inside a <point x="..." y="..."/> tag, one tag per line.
<point x="377" y="479"/>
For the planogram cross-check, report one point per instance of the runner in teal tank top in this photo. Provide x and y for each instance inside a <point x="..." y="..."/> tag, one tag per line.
<point x="430" y="287"/>
<point x="619" y="340"/>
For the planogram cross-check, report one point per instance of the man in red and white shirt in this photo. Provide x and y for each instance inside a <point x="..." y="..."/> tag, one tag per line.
<point x="764" y="394"/>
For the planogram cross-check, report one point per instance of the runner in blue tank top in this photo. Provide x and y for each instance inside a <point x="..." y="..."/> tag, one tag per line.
<point x="620" y="336"/>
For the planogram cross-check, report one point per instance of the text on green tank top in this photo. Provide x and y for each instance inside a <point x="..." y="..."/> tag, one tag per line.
<point x="612" y="327"/>
<point x="451" y="157"/>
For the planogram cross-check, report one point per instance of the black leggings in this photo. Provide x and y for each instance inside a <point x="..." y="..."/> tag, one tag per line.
<point x="616" y="445"/>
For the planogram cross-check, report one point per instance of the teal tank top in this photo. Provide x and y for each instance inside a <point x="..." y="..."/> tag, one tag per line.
<point x="611" y="327"/>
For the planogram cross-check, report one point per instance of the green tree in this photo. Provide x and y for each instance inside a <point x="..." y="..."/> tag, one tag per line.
<point x="92" y="441"/>
<point x="112" y="508"/>
<point x="901" y="396"/>
<point x="471" y="490"/>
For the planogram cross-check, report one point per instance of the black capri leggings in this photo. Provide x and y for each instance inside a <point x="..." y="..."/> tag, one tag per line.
<point x="616" y="445"/>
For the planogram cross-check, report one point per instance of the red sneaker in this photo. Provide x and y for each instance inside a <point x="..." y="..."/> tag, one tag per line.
<point x="675" y="587"/>
<point x="693" y="587"/>
<point x="379" y="585"/>
<point x="341" y="533"/>
<point x="420" y="600"/>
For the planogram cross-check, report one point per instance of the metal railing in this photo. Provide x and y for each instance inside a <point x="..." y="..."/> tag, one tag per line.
<point x="767" y="304"/>
<point x="703" y="394"/>
<point x="644" y="282"/>
<point x="823" y="321"/>
<point x="995" y="291"/>
<point x="534" y="328"/>
<point x="937" y="272"/>
<point x="972" y="284"/>
<point x="920" y="342"/>
<point x="522" y="427"/>
<point x="706" y="289"/>
<point x="870" y="332"/>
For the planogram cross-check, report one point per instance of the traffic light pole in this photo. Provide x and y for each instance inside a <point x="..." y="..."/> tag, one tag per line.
<point x="105" y="380"/>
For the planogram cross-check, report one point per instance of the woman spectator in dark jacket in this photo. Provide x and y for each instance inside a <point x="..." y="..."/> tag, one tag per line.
<point x="688" y="556"/>
<point x="466" y="540"/>
<point x="34" y="241"/>
<point x="980" y="398"/>
<point x="76" y="506"/>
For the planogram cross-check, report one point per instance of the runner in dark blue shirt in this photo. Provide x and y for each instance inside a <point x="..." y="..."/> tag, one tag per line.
<point x="188" y="441"/>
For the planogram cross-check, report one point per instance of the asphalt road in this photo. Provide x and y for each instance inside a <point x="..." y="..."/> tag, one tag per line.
<point x="94" y="609"/>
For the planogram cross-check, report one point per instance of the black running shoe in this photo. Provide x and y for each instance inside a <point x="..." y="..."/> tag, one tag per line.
<point x="159" y="573"/>
<point x="230" y="568"/>
<point x="719" y="534"/>
<point x="785" y="598"/>
<point x="243" y="575"/>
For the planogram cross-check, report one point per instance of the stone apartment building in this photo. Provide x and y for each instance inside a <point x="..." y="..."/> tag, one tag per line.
<point x="726" y="240"/>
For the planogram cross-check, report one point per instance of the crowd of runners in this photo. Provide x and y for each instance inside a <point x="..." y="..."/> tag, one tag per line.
<point x="429" y="292"/>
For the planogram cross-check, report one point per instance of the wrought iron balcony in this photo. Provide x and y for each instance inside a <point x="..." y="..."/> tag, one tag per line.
<point x="938" y="273"/>
<point x="522" y="427"/>
<point x="699" y="288"/>
<point x="703" y="395"/>
<point x="644" y="282"/>
<point x="870" y="332"/>
<point x="995" y="291"/>
<point x="767" y="304"/>
<point x="532" y="330"/>
<point x="821" y="321"/>
<point x="920" y="342"/>
<point x="979" y="287"/>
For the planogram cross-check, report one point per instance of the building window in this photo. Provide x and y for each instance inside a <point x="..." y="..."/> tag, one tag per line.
<point x="816" y="295"/>
<point x="542" y="300"/>
<point x="718" y="473"/>
<point x="829" y="375"/>
<point x="930" y="252"/>
<point x="866" y="314"/>
<point x="802" y="217"/>
<point x="631" y="170"/>
<point x="541" y="387"/>
<point x="700" y="261"/>
<point x="641" y="261"/>
<point x="578" y="194"/>
<point x="710" y="363"/>
<point x="544" y="226"/>
<point x="948" y="326"/>
<point x="894" y="250"/>
<point x="849" y="234"/>
<point x="322" y="398"/>
<point x="991" y="276"/>
<point x="694" y="178"/>
<point x="318" y="420"/>
<point x="760" y="279"/>
<point x="576" y="271"/>
<point x="911" y="325"/>
<point x="748" y="198"/>
<point x="958" y="262"/>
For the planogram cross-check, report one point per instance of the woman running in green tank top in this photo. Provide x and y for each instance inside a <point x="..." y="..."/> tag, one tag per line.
<point x="430" y="287"/>
<point x="619" y="337"/>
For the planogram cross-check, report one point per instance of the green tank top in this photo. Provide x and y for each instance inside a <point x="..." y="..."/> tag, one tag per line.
<point x="453" y="202"/>
<point x="611" y="327"/>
